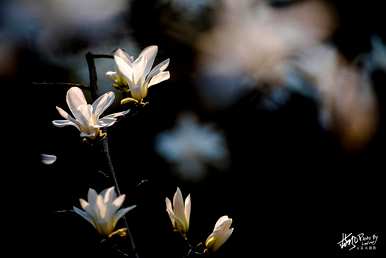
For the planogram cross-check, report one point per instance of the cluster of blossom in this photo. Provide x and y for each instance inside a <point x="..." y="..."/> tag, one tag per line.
<point x="103" y="211"/>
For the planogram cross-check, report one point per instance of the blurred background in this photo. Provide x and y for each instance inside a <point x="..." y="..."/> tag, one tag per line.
<point x="273" y="115"/>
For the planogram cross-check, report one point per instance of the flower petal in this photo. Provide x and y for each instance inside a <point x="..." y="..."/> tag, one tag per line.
<point x="101" y="207"/>
<point x="118" y="114"/>
<point x="162" y="76"/>
<point x="178" y="205"/>
<point x="85" y="116"/>
<point x="91" y="197"/>
<point x="188" y="206"/>
<point x="106" y="122"/>
<point x="169" y="210"/>
<point x="108" y="195"/>
<point x="62" y="123"/>
<point x="125" y="69"/>
<point x="75" y="98"/>
<point x="159" y="68"/>
<point x="84" y="215"/>
<point x="48" y="159"/>
<point x="149" y="53"/>
<point x="222" y="223"/>
<point x="121" y="213"/>
<point x="119" y="201"/>
<point x="102" y="103"/>
<point x="139" y="67"/>
<point x="124" y="56"/>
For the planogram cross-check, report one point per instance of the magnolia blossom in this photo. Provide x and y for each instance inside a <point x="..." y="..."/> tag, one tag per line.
<point x="179" y="213"/>
<point x="192" y="146"/>
<point x="87" y="117"/>
<point x="136" y="76"/>
<point x="103" y="210"/>
<point x="221" y="232"/>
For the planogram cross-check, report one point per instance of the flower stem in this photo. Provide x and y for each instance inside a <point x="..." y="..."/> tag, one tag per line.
<point x="114" y="176"/>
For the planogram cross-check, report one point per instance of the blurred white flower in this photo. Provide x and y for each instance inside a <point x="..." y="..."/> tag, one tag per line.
<point x="87" y="117"/>
<point x="221" y="232"/>
<point x="191" y="146"/>
<point x="179" y="213"/>
<point x="103" y="210"/>
<point x="255" y="40"/>
<point x="47" y="159"/>
<point x="136" y="76"/>
<point x="347" y="100"/>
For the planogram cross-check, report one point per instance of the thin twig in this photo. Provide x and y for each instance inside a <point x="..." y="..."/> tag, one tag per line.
<point x="112" y="171"/>
<point x="102" y="56"/>
<point x="92" y="75"/>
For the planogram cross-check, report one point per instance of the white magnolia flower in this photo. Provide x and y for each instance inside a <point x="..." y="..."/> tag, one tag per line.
<point x="221" y="232"/>
<point x="87" y="117"/>
<point x="191" y="147"/>
<point x="136" y="76"/>
<point x="47" y="159"/>
<point x="103" y="210"/>
<point x="179" y="213"/>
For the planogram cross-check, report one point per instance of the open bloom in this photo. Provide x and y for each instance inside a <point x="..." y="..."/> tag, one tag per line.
<point x="136" y="76"/>
<point x="87" y="117"/>
<point x="221" y="232"/>
<point x="179" y="213"/>
<point x="103" y="210"/>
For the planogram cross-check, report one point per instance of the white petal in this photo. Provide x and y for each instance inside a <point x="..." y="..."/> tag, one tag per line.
<point x="75" y="99"/>
<point x="159" y="68"/>
<point x="84" y="215"/>
<point x="124" y="68"/>
<point x="109" y="195"/>
<point x="62" y="123"/>
<point x="222" y="223"/>
<point x="169" y="210"/>
<point x="47" y="159"/>
<point x="139" y="67"/>
<point x="124" y="56"/>
<point x="118" y="114"/>
<point x="84" y="115"/>
<point x="83" y="203"/>
<point x="102" y="103"/>
<point x="121" y="213"/>
<point x="119" y="201"/>
<point x="149" y="53"/>
<point x="91" y="197"/>
<point x="101" y="207"/>
<point x="162" y="76"/>
<point x="178" y="205"/>
<point x="106" y="122"/>
<point x="188" y="206"/>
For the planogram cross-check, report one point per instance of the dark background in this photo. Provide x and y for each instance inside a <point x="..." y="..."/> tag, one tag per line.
<point x="291" y="188"/>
